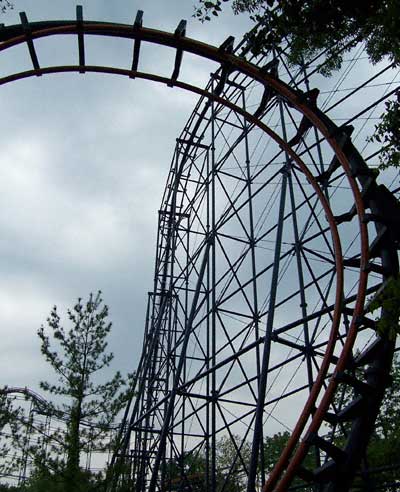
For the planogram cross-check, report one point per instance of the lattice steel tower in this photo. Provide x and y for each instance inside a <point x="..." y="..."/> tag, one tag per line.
<point x="268" y="243"/>
<point x="272" y="232"/>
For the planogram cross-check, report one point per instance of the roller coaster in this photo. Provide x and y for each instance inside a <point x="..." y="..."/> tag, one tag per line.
<point x="275" y="238"/>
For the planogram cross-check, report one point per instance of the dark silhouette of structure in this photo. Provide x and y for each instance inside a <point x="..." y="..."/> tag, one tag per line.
<point x="272" y="232"/>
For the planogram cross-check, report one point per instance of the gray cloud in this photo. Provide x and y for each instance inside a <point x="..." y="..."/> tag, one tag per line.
<point x="84" y="162"/>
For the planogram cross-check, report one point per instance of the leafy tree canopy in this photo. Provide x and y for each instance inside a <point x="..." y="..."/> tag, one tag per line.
<point x="314" y="25"/>
<point x="334" y="27"/>
<point x="387" y="300"/>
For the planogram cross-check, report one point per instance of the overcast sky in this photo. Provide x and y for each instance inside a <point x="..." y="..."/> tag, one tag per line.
<point x="83" y="164"/>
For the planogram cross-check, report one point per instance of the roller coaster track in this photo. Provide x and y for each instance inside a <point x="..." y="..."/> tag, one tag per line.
<point x="186" y="398"/>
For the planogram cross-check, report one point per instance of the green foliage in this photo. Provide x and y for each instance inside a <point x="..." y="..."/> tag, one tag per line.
<point x="273" y="447"/>
<point x="231" y="470"/>
<point x="387" y="133"/>
<point x="4" y="487"/>
<point x="207" y="8"/>
<point x="87" y="405"/>
<point x="383" y="451"/>
<point x="334" y="27"/>
<point x="45" y="480"/>
<point x="92" y="407"/>
<point x="187" y="471"/>
<point x="10" y="424"/>
<point x="310" y="26"/>
<point x="387" y="301"/>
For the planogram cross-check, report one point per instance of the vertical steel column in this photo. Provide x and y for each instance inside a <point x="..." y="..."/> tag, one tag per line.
<point x="303" y="302"/>
<point x="22" y="477"/>
<point x="300" y="274"/>
<point x="162" y="296"/>
<point x="208" y="340"/>
<point x="146" y="366"/>
<point x="182" y="358"/>
<point x="213" y="306"/>
<point x="258" y="421"/>
<point x="168" y="357"/>
<point x="253" y="268"/>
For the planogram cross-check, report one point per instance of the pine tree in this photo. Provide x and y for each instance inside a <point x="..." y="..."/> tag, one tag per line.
<point x="10" y="424"/>
<point x="88" y="407"/>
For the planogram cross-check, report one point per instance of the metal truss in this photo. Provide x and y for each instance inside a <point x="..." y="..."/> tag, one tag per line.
<point x="38" y="420"/>
<point x="272" y="232"/>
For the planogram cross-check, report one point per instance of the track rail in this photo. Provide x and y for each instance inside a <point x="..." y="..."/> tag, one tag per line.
<point x="378" y="356"/>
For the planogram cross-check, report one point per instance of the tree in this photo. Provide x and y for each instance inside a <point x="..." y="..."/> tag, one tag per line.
<point x="387" y="133"/>
<point x="384" y="449"/>
<point x="89" y="407"/>
<point x="388" y="300"/>
<point x="381" y="462"/>
<point x="334" y="26"/>
<point x="186" y="472"/>
<point x="10" y="424"/>
<point x="382" y="458"/>
<point x="273" y="447"/>
<point x="232" y="469"/>
<point x="314" y="25"/>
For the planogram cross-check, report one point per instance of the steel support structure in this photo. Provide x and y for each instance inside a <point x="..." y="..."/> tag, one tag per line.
<point x="263" y="265"/>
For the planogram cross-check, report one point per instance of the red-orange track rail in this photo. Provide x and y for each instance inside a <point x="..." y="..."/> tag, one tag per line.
<point x="14" y="35"/>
